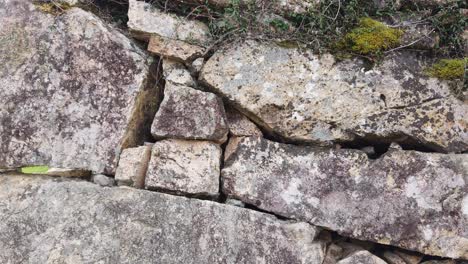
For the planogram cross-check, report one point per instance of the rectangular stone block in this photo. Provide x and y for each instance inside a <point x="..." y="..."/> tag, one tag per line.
<point x="185" y="167"/>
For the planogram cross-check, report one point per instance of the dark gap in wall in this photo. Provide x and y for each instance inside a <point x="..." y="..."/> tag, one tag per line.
<point x="254" y="208"/>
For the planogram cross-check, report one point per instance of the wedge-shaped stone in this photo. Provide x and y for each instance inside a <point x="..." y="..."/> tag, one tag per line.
<point x="74" y="91"/>
<point x="239" y="125"/>
<point x="413" y="200"/>
<point x="56" y="221"/>
<point x="309" y="98"/>
<point x="185" y="167"/>
<point x="186" y="113"/>
<point x="145" y="20"/>
<point x="174" y="49"/>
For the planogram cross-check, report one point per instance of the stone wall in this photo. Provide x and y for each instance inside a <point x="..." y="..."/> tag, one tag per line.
<point x="151" y="144"/>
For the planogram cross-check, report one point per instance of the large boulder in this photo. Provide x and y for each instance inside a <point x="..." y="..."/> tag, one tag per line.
<point x="409" y="199"/>
<point x="304" y="97"/>
<point x="47" y="220"/>
<point x="74" y="91"/>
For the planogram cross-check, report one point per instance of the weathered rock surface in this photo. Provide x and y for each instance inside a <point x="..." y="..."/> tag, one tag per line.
<point x="145" y="20"/>
<point x="393" y="258"/>
<point x="362" y="257"/>
<point x="47" y="220"/>
<point x="306" y="98"/>
<point x="174" y="49"/>
<point x="103" y="180"/>
<point x="409" y="199"/>
<point x="176" y="73"/>
<point x="133" y="165"/>
<point x="239" y="125"/>
<point x="186" y="113"/>
<point x="185" y="167"/>
<point x="74" y="91"/>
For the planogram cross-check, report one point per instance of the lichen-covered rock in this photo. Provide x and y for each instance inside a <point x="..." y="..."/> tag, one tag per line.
<point x="174" y="49"/>
<point x="239" y="125"/>
<point x="308" y="98"/>
<point x="409" y="199"/>
<point x="132" y="167"/>
<point x="59" y="221"/>
<point x="145" y="20"/>
<point x="74" y="91"/>
<point x="176" y="73"/>
<point x="362" y="257"/>
<point x="185" y="167"/>
<point x="186" y="113"/>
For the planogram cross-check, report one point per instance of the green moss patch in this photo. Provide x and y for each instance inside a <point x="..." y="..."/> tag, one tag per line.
<point x="35" y="170"/>
<point x="54" y="8"/>
<point x="371" y="37"/>
<point x="448" y="69"/>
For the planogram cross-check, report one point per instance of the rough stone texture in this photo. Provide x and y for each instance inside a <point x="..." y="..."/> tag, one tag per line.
<point x="239" y="125"/>
<point x="103" y="180"/>
<point x="176" y="73"/>
<point x="132" y="167"/>
<point x="448" y="261"/>
<point x="334" y="253"/>
<point x="392" y="258"/>
<point x="186" y="113"/>
<point x="47" y="220"/>
<point x="409" y="257"/>
<point x="409" y="199"/>
<point x="52" y="112"/>
<point x="68" y="173"/>
<point x="174" y="49"/>
<point x="306" y="98"/>
<point x="197" y="65"/>
<point x="145" y="20"/>
<point x="185" y="167"/>
<point x="416" y="34"/>
<point x="362" y="257"/>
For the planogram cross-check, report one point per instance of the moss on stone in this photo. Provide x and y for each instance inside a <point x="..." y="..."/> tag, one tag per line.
<point x="53" y="7"/>
<point x="448" y="69"/>
<point x="34" y="170"/>
<point x="371" y="37"/>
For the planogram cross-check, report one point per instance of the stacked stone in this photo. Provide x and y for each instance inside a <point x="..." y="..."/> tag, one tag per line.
<point x="204" y="147"/>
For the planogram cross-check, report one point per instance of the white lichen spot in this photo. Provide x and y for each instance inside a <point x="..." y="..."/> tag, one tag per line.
<point x="464" y="206"/>
<point x="292" y="193"/>
<point x="238" y="76"/>
<point x="427" y="233"/>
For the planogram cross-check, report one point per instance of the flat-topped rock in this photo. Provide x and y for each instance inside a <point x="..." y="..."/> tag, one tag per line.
<point x="145" y="20"/>
<point x="303" y="97"/>
<point x="185" y="167"/>
<point x="60" y="221"/>
<point x="186" y="113"/>
<point x="174" y="49"/>
<point x="413" y="200"/>
<point x="71" y="88"/>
